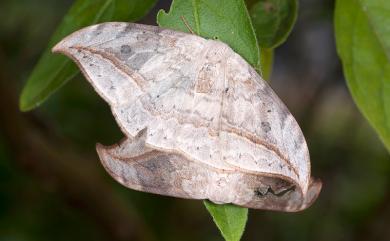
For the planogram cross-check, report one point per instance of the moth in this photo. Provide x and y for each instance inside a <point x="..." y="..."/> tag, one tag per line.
<point x="199" y="121"/>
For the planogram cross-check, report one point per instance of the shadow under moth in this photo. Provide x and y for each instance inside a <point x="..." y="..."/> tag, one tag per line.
<point x="199" y="121"/>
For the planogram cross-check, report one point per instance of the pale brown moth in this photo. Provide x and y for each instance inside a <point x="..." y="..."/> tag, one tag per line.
<point x="199" y="121"/>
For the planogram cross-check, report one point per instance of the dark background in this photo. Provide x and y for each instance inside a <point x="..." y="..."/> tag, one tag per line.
<point x="53" y="187"/>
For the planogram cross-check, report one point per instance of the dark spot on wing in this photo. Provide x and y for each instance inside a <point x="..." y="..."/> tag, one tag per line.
<point x="126" y="49"/>
<point x="124" y="52"/>
<point x="266" y="126"/>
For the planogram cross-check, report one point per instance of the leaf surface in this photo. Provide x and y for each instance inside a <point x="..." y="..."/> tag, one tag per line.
<point x="227" y="20"/>
<point x="53" y="71"/>
<point x="273" y="21"/>
<point x="230" y="219"/>
<point x="363" y="44"/>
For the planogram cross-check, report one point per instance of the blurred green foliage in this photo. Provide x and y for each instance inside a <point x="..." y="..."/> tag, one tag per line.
<point x="363" y="43"/>
<point x="273" y="21"/>
<point x="230" y="219"/>
<point x="346" y="153"/>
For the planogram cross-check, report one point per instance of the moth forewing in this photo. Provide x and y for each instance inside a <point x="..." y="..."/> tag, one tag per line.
<point x="200" y="122"/>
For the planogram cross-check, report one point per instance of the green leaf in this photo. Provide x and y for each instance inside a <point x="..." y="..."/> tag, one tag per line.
<point x="230" y="219"/>
<point x="273" y="21"/>
<point x="53" y="71"/>
<point x="363" y="44"/>
<point x="227" y="20"/>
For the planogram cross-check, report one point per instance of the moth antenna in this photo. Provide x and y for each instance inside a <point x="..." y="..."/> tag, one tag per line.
<point x="187" y="25"/>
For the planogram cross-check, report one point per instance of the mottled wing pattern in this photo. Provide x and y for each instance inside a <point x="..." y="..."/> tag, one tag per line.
<point x="200" y="122"/>
<point x="148" y="76"/>
<point x="255" y="119"/>
<point x="135" y="166"/>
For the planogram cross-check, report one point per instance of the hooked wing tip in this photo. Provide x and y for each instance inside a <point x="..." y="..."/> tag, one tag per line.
<point x="313" y="192"/>
<point x="57" y="48"/>
<point x="60" y="47"/>
<point x="67" y="42"/>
